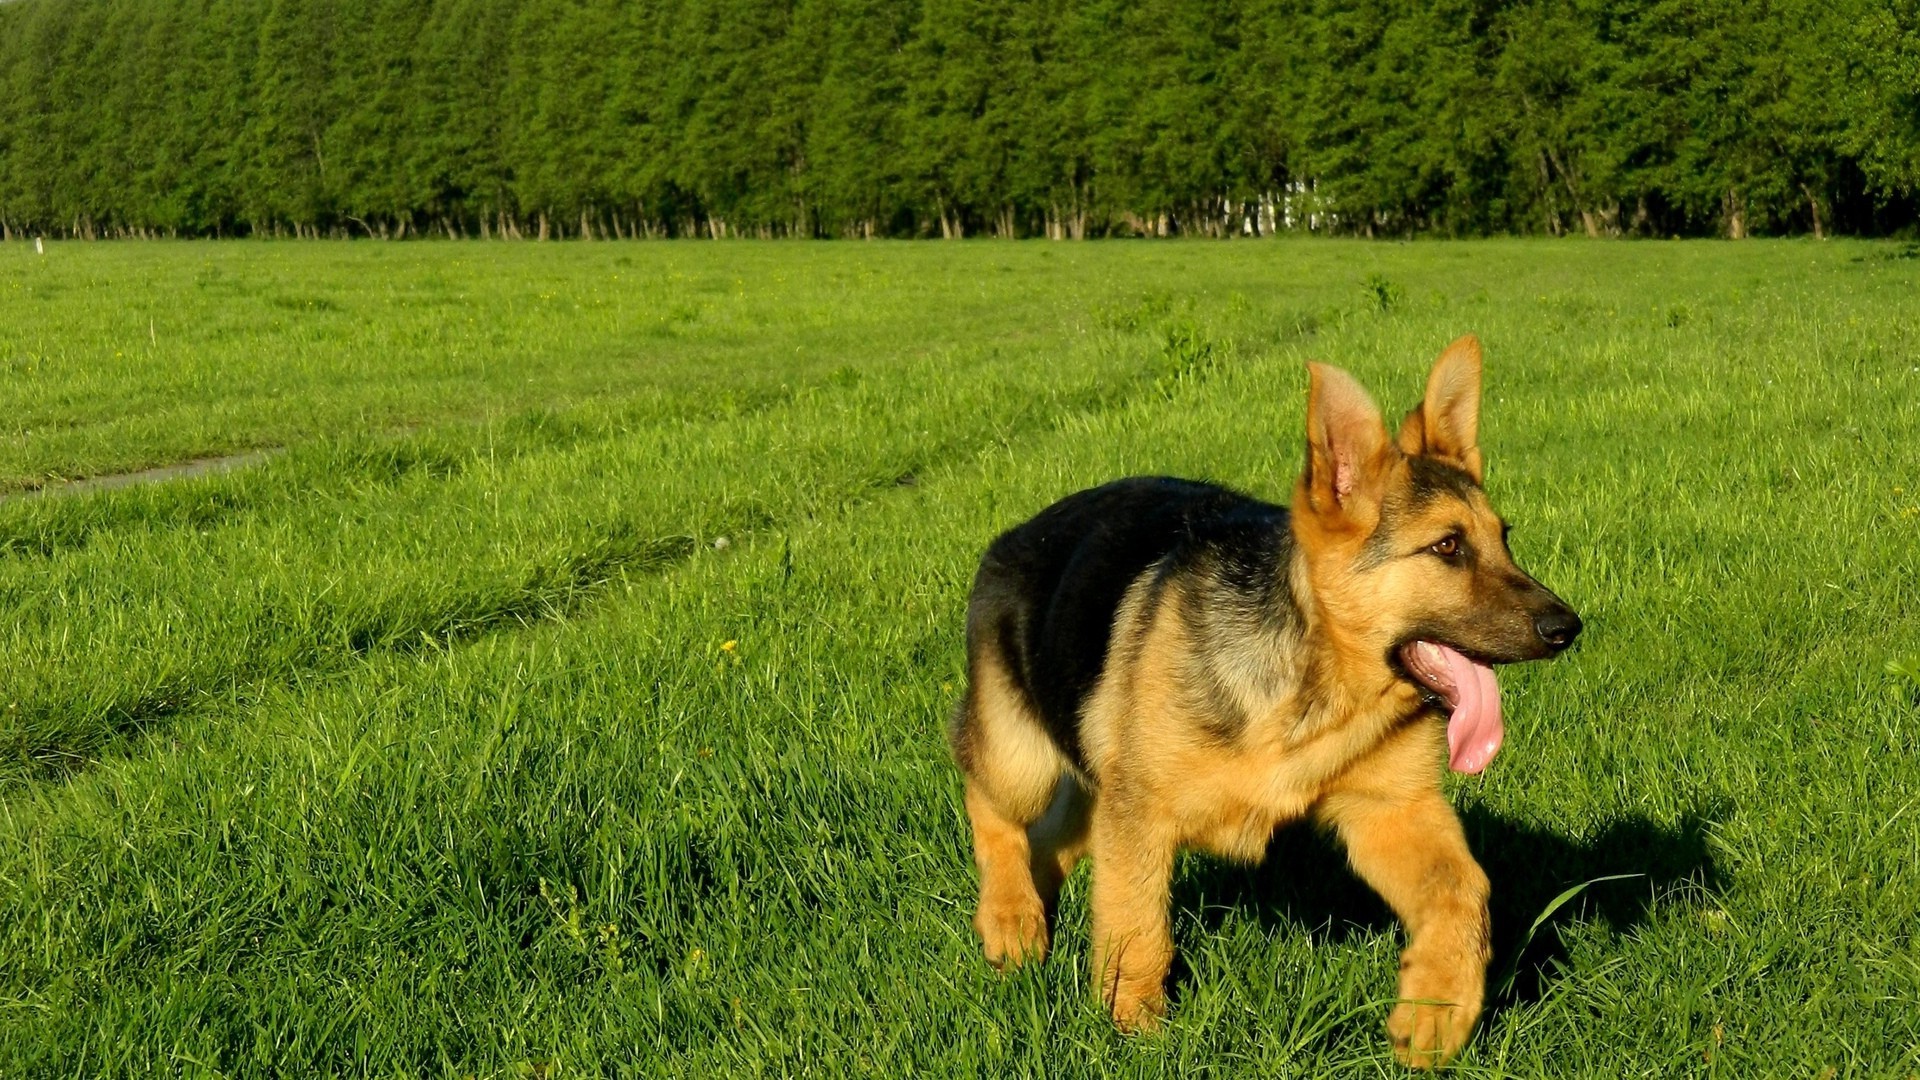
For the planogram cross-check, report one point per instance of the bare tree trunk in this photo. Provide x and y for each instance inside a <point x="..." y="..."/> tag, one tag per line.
<point x="1813" y="206"/>
<point x="1736" y="216"/>
<point x="1546" y="193"/>
<point x="544" y="233"/>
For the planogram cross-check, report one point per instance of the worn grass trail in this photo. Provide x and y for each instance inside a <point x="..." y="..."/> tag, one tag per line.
<point x="134" y="622"/>
<point x="701" y="820"/>
<point x="122" y="356"/>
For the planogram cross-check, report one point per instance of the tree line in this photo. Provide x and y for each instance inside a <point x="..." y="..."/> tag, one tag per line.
<point x="1059" y="118"/>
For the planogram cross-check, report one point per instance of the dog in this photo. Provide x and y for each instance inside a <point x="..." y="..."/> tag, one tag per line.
<point x="1159" y="664"/>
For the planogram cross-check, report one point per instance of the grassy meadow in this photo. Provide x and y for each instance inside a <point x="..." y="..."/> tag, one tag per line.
<point x="563" y="696"/>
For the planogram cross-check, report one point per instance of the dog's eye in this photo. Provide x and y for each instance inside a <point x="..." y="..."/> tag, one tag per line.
<point x="1447" y="547"/>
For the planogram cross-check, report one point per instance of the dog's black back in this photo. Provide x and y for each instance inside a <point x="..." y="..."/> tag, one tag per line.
<point x="1048" y="590"/>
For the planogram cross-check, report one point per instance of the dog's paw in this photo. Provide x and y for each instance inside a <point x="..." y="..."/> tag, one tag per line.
<point x="1439" y="1004"/>
<point x="1138" y="1012"/>
<point x="1013" y="932"/>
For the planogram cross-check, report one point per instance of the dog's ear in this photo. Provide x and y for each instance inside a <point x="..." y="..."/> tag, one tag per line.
<point x="1347" y="447"/>
<point x="1446" y="424"/>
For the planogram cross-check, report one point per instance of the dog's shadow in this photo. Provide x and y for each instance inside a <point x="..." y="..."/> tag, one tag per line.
<point x="1304" y="884"/>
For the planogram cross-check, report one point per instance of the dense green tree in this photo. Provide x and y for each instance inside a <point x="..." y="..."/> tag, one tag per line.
<point x="1064" y="118"/>
<point x="1882" y="97"/>
<point x="454" y="159"/>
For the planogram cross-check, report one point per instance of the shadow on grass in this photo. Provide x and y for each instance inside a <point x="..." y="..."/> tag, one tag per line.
<point x="1304" y="884"/>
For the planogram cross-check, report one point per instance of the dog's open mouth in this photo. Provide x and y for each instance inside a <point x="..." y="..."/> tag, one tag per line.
<point x="1468" y="688"/>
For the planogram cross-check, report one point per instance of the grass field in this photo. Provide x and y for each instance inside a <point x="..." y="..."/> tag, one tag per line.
<point x="566" y="698"/>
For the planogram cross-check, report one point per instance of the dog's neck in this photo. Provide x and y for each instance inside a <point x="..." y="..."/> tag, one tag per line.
<point x="1346" y="677"/>
<point x="1290" y="664"/>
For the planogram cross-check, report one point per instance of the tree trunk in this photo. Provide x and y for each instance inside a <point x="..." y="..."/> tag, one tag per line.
<point x="1736" y="216"/>
<point x="1813" y="206"/>
<point x="544" y="232"/>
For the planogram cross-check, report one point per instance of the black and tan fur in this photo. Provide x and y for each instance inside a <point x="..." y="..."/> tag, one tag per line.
<point x="1157" y="664"/>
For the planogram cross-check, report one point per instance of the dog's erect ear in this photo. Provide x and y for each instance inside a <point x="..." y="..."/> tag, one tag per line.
<point x="1446" y="424"/>
<point x="1347" y="446"/>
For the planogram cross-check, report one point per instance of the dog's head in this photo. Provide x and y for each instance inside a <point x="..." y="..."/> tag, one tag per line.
<point x="1407" y="558"/>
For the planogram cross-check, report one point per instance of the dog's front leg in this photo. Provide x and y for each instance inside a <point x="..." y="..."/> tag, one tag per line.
<point x="1414" y="854"/>
<point x="1132" y="941"/>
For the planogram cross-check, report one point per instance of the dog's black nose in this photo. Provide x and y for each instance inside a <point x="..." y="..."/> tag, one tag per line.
<point x="1557" y="627"/>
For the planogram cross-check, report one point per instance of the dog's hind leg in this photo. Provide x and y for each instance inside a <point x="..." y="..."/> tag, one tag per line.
<point x="1027" y="811"/>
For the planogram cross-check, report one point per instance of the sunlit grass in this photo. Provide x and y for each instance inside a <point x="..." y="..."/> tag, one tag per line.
<point x="468" y="749"/>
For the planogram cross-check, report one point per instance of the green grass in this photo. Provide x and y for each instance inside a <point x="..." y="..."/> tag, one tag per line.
<point x="417" y="749"/>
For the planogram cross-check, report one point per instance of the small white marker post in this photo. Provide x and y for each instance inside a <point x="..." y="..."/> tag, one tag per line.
<point x="39" y="248"/>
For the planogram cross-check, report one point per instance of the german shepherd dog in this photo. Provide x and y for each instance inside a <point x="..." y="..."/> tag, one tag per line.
<point x="1158" y="664"/>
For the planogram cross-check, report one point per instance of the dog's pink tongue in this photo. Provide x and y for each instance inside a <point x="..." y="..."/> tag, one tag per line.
<point x="1474" y="730"/>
